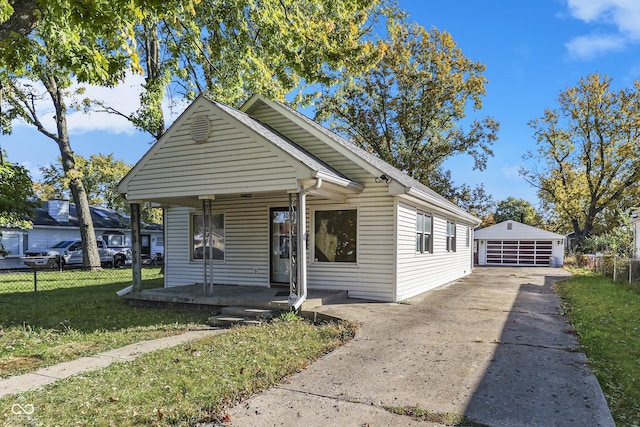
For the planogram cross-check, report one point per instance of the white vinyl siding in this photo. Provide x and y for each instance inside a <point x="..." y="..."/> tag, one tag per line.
<point x="246" y="245"/>
<point x="372" y="276"/>
<point x="310" y="143"/>
<point x="231" y="161"/>
<point x="247" y="251"/>
<point x="417" y="274"/>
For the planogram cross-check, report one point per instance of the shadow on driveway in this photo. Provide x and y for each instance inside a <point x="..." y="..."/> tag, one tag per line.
<point x="538" y="375"/>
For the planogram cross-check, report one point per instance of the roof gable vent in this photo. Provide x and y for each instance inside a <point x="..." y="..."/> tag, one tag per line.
<point x="509" y="226"/>
<point x="200" y="129"/>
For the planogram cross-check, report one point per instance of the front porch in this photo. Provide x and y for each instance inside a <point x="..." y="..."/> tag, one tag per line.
<point x="218" y="296"/>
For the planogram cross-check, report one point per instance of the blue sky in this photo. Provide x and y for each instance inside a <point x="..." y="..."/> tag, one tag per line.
<point x="533" y="49"/>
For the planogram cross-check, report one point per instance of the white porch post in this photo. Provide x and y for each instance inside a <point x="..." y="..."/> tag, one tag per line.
<point x="136" y="249"/>
<point x="295" y="301"/>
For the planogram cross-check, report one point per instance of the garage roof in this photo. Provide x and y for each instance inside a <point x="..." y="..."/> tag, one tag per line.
<point x="513" y="230"/>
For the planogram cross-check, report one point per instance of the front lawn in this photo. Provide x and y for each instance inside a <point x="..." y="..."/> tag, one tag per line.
<point x="180" y="386"/>
<point x="606" y="317"/>
<point x="74" y="314"/>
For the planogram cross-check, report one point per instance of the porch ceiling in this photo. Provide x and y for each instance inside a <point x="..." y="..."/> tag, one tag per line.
<point x="328" y="190"/>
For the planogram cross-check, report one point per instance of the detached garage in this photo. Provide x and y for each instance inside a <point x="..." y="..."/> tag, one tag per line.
<point x="514" y="243"/>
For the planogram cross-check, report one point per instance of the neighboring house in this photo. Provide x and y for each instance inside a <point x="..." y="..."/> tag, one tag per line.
<point x="56" y="221"/>
<point x="368" y="228"/>
<point x="517" y="244"/>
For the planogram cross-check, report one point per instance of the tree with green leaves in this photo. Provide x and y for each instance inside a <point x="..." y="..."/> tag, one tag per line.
<point x="99" y="175"/>
<point x="517" y="210"/>
<point x="407" y="109"/>
<point x="43" y="76"/>
<point x="230" y="50"/>
<point x="587" y="164"/>
<point x="84" y="33"/>
<point x="16" y="197"/>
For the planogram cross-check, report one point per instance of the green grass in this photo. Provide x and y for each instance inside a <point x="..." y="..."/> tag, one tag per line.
<point x="444" y="418"/>
<point x="606" y="317"/>
<point x="184" y="385"/>
<point x="77" y="313"/>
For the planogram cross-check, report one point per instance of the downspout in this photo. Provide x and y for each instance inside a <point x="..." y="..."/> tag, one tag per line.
<point x="296" y="303"/>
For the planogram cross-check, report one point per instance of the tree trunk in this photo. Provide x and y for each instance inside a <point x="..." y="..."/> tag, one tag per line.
<point x="90" y="256"/>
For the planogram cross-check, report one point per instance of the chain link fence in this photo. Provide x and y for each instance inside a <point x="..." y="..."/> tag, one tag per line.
<point x="41" y="286"/>
<point x="620" y="269"/>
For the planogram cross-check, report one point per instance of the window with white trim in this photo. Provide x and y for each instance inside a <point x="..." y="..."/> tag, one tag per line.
<point x="451" y="236"/>
<point x="335" y="236"/>
<point x="468" y="241"/>
<point x="424" y="232"/>
<point x="15" y="244"/>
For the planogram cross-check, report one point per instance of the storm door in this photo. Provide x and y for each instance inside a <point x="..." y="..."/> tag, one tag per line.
<point x="280" y="245"/>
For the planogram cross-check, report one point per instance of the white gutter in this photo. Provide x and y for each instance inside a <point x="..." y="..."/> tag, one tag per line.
<point x="295" y="301"/>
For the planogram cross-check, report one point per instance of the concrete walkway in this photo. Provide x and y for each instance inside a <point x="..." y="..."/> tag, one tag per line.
<point x="493" y="346"/>
<point x="44" y="376"/>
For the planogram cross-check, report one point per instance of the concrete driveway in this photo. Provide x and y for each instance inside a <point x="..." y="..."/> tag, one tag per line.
<point x="493" y="346"/>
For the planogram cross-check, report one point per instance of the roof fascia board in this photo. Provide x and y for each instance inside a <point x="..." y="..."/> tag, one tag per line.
<point x="351" y="186"/>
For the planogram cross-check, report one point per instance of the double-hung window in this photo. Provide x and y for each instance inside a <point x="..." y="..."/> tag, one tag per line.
<point x="451" y="236"/>
<point x="424" y="232"/>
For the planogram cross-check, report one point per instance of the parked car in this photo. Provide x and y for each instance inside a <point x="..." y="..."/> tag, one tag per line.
<point x="69" y="252"/>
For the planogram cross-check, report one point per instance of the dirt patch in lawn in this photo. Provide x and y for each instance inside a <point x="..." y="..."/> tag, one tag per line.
<point x="18" y="363"/>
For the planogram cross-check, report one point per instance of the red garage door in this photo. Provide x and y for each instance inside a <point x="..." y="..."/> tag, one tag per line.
<point x="519" y="252"/>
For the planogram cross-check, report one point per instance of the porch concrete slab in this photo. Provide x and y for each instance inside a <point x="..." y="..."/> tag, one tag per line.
<point x="493" y="346"/>
<point x="230" y="295"/>
<point x="44" y="376"/>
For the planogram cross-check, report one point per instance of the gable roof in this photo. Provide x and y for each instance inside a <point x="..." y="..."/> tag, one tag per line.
<point x="513" y="230"/>
<point x="306" y="162"/>
<point x="285" y="144"/>
<point x="403" y="182"/>
<point x="287" y="147"/>
<point x="102" y="218"/>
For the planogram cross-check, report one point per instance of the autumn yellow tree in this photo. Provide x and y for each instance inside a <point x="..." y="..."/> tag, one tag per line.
<point x="408" y="108"/>
<point x="587" y="163"/>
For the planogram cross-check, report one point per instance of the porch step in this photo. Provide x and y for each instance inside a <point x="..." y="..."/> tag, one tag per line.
<point x="234" y="315"/>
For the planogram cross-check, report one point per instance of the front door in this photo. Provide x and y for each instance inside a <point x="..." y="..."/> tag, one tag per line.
<point x="280" y="247"/>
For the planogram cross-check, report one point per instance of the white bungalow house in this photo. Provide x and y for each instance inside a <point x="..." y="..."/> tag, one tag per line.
<point x="236" y="185"/>
<point x="517" y="244"/>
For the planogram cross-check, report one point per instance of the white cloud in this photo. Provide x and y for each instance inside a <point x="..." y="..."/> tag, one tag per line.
<point x="591" y="46"/>
<point x="624" y="15"/>
<point x="124" y="98"/>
